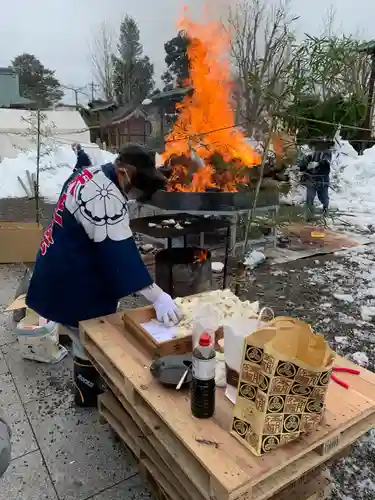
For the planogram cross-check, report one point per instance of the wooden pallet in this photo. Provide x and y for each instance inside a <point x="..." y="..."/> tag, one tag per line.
<point x="203" y="452"/>
<point x="164" y="482"/>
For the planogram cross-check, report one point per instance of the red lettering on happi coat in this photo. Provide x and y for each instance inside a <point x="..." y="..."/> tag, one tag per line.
<point x="81" y="179"/>
<point x="47" y="239"/>
<point x="57" y="213"/>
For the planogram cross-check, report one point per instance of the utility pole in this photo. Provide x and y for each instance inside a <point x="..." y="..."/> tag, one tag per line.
<point x="93" y="87"/>
<point x="76" y="90"/>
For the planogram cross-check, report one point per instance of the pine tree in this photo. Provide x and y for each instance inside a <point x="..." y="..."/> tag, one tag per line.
<point x="133" y="71"/>
<point x="37" y="83"/>
<point x="177" y="61"/>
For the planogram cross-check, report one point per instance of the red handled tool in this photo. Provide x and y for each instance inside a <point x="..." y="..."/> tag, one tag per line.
<point x="343" y="369"/>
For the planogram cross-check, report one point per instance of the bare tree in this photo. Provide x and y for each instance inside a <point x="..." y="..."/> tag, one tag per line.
<point x="262" y="47"/>
<point x="102" y="50"/>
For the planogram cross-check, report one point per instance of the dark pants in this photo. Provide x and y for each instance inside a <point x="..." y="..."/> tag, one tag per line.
<point x="321" y="191"/>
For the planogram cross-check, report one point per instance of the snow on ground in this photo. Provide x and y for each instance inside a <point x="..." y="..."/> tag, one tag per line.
<point x="56" y="166"/>
<point x="349" y="289"/>
<point x="352" y="191"/>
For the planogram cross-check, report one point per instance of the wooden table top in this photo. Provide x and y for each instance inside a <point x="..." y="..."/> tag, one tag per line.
<point x="230" y="461"/>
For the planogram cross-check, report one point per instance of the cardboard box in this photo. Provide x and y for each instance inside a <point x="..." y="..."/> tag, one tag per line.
<point x="18" y="303"/>
<point x="19" y="241"/>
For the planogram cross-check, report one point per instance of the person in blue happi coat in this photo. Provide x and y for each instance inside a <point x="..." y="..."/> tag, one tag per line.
<point x="316" y="167"/>
<point x="83" y="159"/>
<point x="88" y="259"/>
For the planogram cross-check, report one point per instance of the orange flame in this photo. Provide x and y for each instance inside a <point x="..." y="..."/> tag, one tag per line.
<point x="208" y="109"/>
<point x="200" y="255"/>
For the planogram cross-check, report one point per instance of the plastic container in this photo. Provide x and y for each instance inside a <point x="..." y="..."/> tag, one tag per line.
<point x="205" y="320"/>
<point x="203" y="384"/>
<point x="38" y="339"/>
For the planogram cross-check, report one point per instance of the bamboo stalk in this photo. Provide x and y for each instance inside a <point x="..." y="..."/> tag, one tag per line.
<point x="241" y="269"/>
<point x="28" y="194"/>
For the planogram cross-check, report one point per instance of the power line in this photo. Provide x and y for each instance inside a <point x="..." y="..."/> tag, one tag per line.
<point x="322" y="122"/>
<point x="243" y="124"/>
<point x="76" y="91"/>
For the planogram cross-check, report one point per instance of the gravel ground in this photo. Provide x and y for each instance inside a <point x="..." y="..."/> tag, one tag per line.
<point x="329" y="292"/>
<point x="22" y="209"/>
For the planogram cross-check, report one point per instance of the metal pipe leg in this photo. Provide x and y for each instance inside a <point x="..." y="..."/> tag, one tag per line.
<point x="275" y="227"/>
<point x="201" y="240"/>
<point x="227" y="241"/>
<point x="170" y="291"/>
<point x="233" y="235"/>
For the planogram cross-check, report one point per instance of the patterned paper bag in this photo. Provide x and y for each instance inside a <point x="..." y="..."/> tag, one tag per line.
<point x="283" y="382"/>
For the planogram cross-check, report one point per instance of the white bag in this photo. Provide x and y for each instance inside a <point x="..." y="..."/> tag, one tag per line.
<point x="40" y="342"/>
<point x="235" y="332"/>
<point x="220" y="372"/>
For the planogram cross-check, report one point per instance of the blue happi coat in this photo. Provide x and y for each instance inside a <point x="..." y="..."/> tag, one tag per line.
<point x="88" y="258"/>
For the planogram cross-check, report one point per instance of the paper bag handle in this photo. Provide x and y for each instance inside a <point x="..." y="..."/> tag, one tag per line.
<point x="296" y="321"/>
<point x="283" y="319"/>
<point x="262" y="311"/>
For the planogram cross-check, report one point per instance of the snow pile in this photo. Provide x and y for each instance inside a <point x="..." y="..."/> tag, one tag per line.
<point x="352" y="191"/>
<point x="254" y="259"/>
<point x="56" y="164"/>
<point x="360" y="358"/>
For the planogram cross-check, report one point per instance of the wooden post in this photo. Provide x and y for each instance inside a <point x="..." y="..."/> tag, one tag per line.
<point x="36" y="188"/>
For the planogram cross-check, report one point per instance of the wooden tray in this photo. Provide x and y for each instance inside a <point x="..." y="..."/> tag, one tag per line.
<point x="132" y="320"/>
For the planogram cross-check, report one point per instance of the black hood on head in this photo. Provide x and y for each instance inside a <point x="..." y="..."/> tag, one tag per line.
<point x="137" y="155"/>
<point x="147" y="178"/>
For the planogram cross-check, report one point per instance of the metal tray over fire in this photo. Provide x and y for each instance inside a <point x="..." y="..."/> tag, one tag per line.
<point x="196" y="225"/>
<point x="213" y="201"/>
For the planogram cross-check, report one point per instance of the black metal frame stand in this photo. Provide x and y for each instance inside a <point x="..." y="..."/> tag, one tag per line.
<point x="140" y="226"/>
<point x="226" y="257"/>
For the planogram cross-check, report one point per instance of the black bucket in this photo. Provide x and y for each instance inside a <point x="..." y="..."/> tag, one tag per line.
<point x="183" y="271"/>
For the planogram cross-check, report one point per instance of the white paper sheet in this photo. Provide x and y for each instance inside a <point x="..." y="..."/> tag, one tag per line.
<point x="160" y="332"/>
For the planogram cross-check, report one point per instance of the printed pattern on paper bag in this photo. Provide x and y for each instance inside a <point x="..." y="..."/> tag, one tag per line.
<point x="277" y="401"/>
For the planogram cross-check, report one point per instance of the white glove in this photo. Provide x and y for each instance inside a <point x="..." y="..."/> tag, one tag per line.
<point x="166" y="310"/>
<point x="312" y="164"/>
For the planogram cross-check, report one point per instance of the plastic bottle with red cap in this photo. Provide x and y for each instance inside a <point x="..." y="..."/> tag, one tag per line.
<point x="203" y="383"/>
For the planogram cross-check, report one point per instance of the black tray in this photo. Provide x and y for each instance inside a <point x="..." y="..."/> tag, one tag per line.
<point x="198" y="225"/>
<point x="213" y="201"/>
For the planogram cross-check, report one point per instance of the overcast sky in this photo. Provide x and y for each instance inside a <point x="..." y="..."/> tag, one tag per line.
<point x="59" y="32"/>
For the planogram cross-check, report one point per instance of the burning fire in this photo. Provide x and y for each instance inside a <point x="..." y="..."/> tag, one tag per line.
<point x="208" y="109"/>
<point x="200" y="255"/>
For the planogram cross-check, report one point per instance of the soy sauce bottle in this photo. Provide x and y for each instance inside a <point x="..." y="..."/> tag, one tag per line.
<point x="203" y="383"/>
